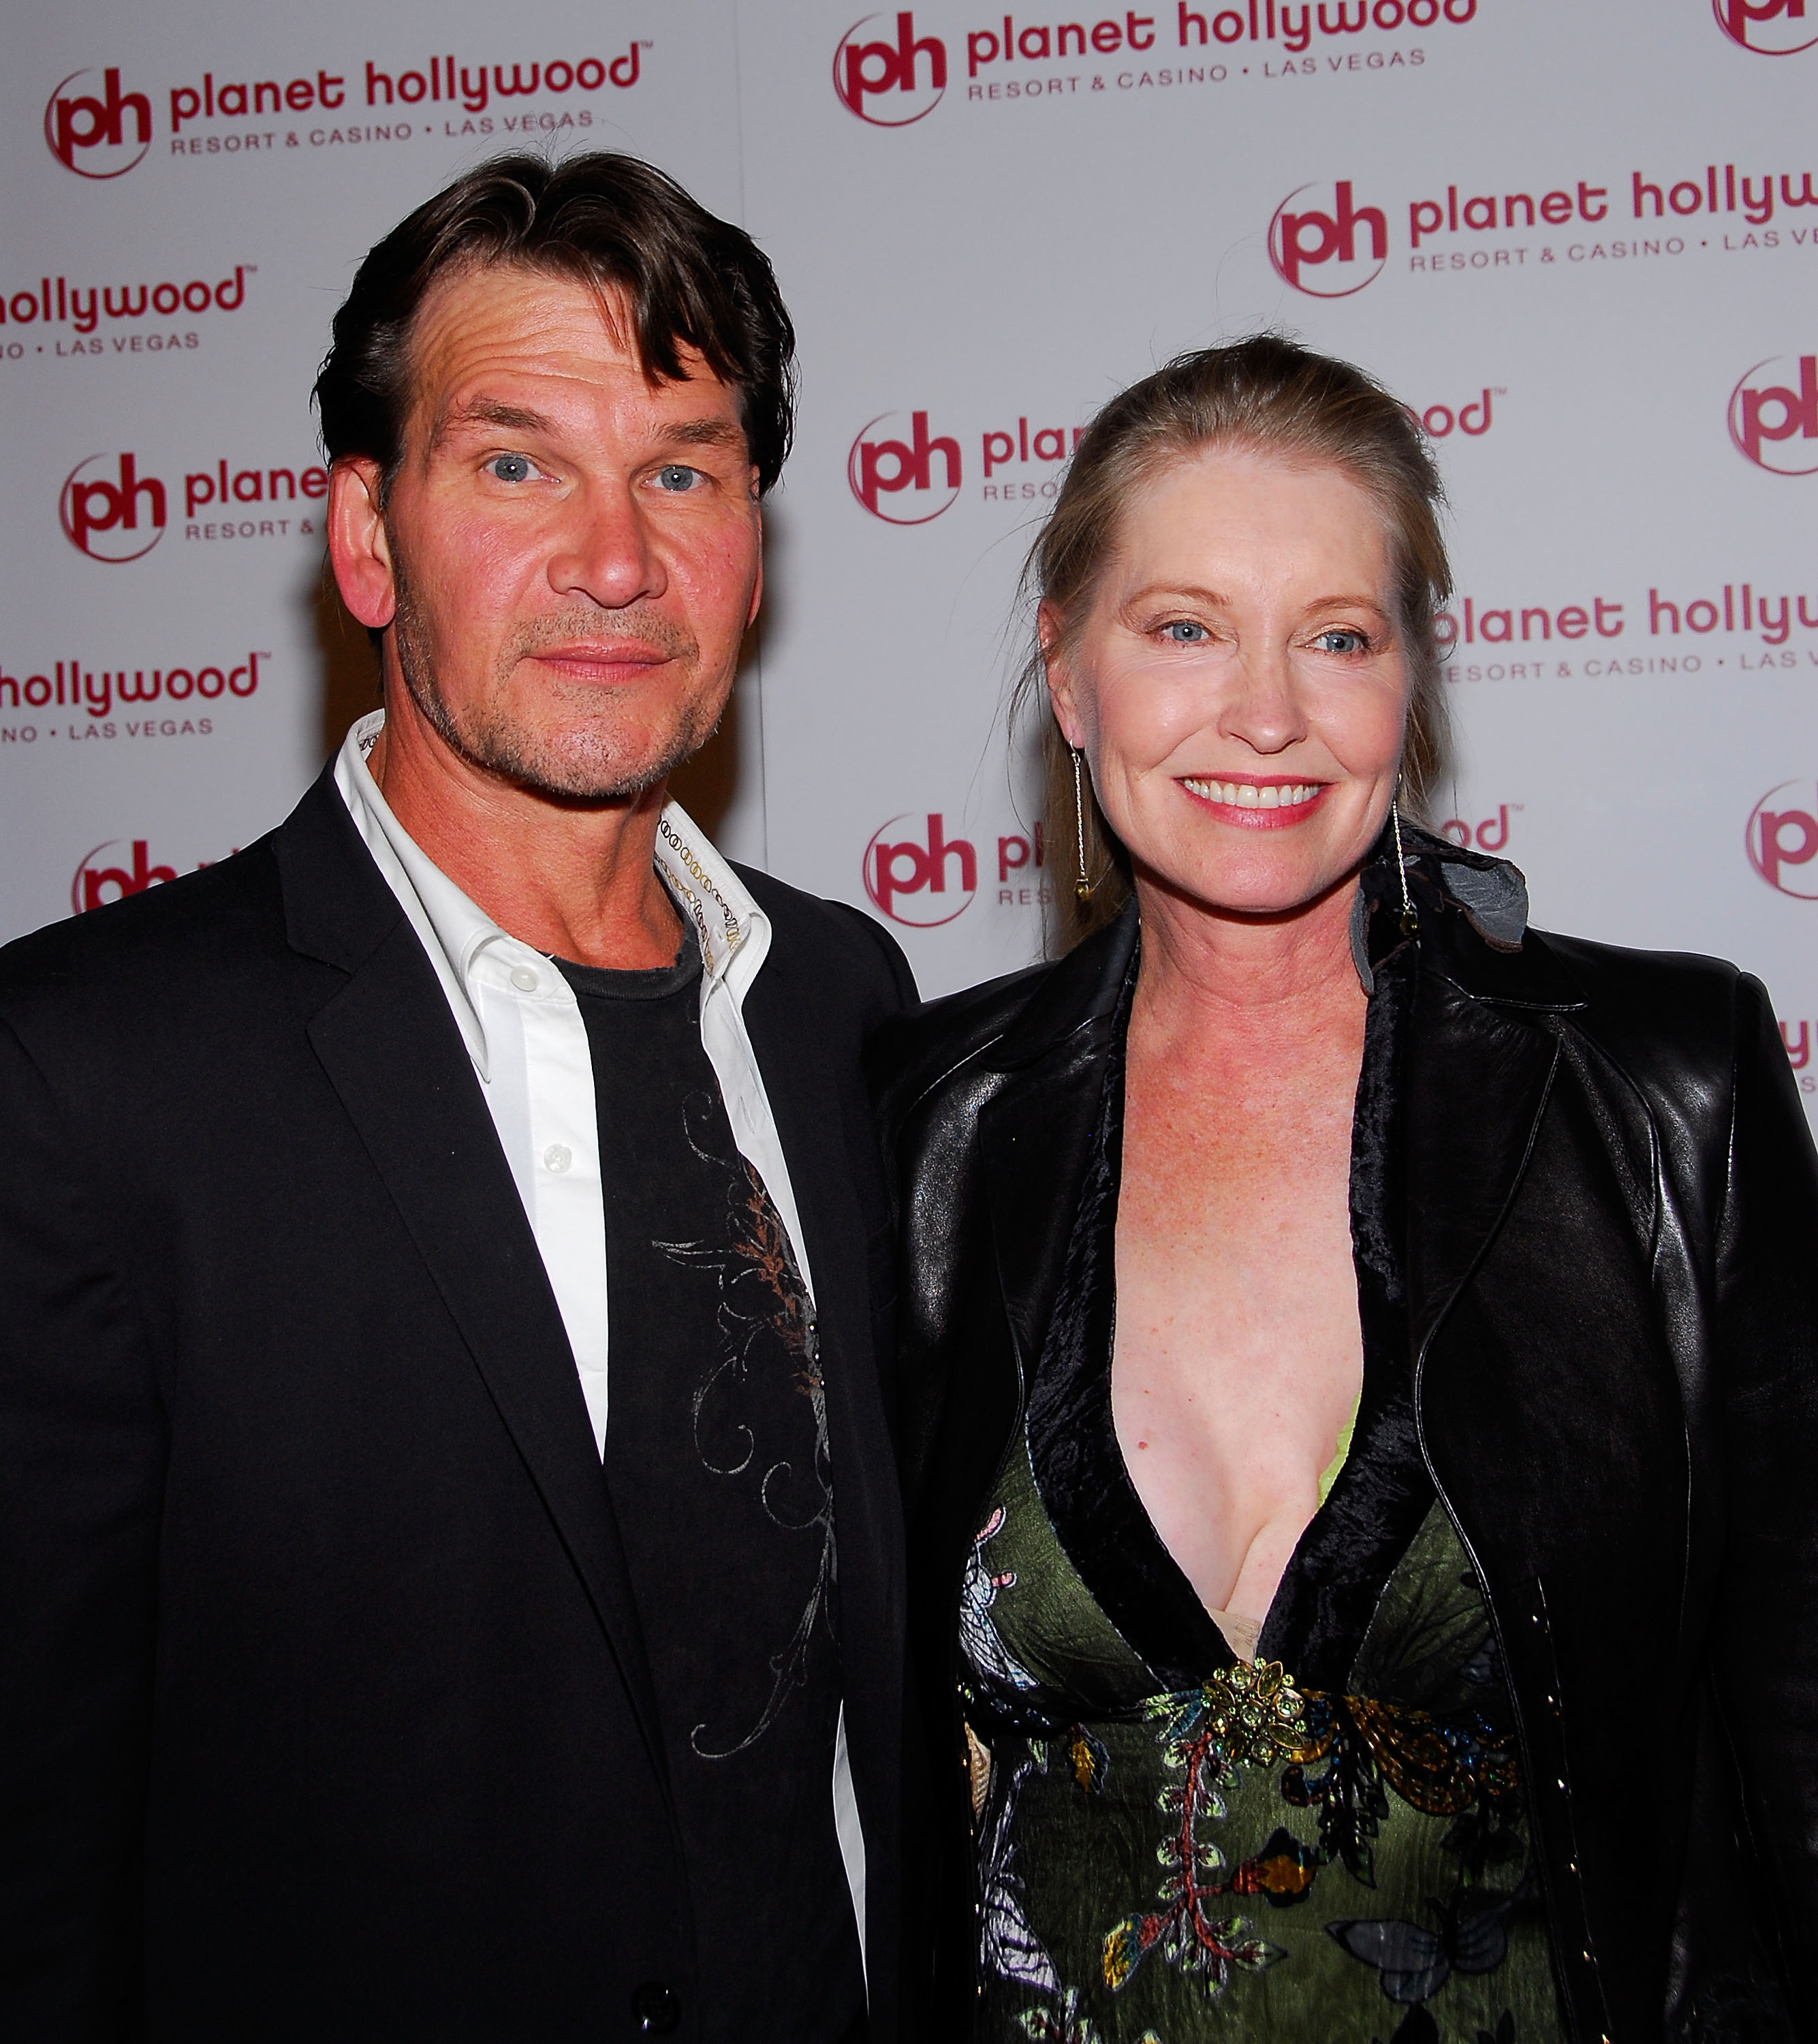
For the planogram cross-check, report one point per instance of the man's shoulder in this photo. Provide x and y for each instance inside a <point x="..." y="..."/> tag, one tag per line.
<point x="831" y="940"/>
<point x="186" y="933"/>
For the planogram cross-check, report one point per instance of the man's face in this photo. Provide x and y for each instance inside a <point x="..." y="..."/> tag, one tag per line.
<point x="573" y="552"/>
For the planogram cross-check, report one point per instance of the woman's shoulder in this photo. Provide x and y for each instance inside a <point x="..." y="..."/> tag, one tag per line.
<point x="952" y="1047"/>
<point x="1682" y="1028"/>
<point x="913" y="1053"/>
<point x="1680" y="997"/>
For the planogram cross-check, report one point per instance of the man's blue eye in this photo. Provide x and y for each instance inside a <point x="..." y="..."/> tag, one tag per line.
<point x="510" y="467"/>
<point x="675" y="476"/>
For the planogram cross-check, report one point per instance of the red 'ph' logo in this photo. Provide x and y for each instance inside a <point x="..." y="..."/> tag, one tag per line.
<point x="101" y="517"/>
<point x="90" y="879"/>
<point x="891" y="85"/>
<point x="1774" y="28"/>
<point x="118" y="126"/>
<point x="1308" y="238"/>
<point x="1765" y="417"/>
<point x="874" y="468"/>
<point x="894" y="870"/>
<point x="1780" y="838"/>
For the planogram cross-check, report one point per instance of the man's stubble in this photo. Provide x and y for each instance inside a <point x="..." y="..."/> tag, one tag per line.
<point x="583" y="765"/>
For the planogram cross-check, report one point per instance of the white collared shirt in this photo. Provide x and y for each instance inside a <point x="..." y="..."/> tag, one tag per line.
<point x="522" y="1028"/>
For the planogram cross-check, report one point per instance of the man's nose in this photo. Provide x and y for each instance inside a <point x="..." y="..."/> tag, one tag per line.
<point x="605" y="550"/>
<point x="1263" y="710"/>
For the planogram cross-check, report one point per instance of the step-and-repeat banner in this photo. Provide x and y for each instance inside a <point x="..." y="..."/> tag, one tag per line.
<point x="1581" y="243"/>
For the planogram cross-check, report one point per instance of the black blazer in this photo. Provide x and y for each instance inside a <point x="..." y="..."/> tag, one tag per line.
<point x="323" y="1710"/>
<point x="1611" y="1222"/>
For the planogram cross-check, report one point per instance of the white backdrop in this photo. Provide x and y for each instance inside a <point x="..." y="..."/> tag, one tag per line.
<point x="1581" y="242"/>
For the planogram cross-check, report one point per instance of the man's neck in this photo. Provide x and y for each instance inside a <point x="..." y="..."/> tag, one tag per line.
<point x="576" y="880"/>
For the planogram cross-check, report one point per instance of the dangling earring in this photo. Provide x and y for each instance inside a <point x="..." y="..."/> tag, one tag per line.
<point x="1410" y="919"/>
<point x="1081" y="887"/>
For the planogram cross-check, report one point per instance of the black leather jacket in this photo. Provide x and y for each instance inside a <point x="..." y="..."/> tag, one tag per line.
<point x="1612" y="1259"/>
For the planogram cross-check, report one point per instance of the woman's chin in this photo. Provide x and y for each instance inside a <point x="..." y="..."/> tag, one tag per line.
<point x="1255" y="888"/>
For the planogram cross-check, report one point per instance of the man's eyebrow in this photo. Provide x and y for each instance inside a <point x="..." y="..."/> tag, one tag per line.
<point x="521" y="418"/>
<point x="490" y="412"/>
<point x="704" y="432"/>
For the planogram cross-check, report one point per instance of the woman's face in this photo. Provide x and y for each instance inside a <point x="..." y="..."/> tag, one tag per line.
<point x="1238" y="683"/>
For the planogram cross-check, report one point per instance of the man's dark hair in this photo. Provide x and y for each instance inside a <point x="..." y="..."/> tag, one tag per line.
<point x="606" y="221"/>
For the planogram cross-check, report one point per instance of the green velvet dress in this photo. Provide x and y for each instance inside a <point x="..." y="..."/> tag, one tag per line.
<point x="1328" y="1844"/>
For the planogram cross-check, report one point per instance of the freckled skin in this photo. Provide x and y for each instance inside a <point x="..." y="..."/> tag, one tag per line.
<point x="1243" y="631"/>
<point x="560" y="631"/>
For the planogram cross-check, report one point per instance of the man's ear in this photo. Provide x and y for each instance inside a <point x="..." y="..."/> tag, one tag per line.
<point x="757" y="580"/>
<point x="360" y="548"/>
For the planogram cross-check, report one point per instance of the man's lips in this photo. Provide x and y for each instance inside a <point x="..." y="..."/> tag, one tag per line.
<point x="602" y="660"/>
<point x="1254" y="804"/>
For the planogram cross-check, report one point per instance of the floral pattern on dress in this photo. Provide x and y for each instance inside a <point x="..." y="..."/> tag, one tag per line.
<point x="1250" y="1802"/>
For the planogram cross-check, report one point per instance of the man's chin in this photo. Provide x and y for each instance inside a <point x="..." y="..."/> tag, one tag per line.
<point x="582" y="768"/>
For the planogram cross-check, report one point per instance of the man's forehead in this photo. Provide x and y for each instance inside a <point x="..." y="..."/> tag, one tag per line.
<point x="501" y="323"/>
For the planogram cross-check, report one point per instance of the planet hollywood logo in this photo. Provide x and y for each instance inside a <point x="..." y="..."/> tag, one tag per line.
<point x="1305" y="235"/>
<point x="1474" y="420"/>
<point x="100" y="138"/>
<point x="1775" y="424"/>
<point x="911" y="481"/>
<point x="95" y="884"/>
<point x="102" y="131"/>
<point x="891" y="84"/>
<point x="889" y="76"/>
<point x="51" y="303"/>
<point x="1772" y="28"/>
<point x="1781" y="835"/>
<point x="921" y="884"/>
<point x="1488" y="834"/>
<point x="113" y="517"/>
<point x="111" y="512"/>
<point x="99" y="691"/>
<point x="1328" y="241"/>
<point x="888" y="467"/>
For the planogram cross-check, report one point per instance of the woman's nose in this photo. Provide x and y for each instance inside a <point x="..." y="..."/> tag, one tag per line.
<point x="1264" y="711"/>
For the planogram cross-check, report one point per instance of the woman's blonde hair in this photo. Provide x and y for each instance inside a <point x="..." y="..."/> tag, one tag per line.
<point x="1268" y="395"/>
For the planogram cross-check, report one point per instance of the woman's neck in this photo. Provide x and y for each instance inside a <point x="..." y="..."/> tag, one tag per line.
<point x="1269" y="980"/>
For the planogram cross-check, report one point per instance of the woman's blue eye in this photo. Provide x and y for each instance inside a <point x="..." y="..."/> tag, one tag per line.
<point x="1183" y="632"/>
<point x="1354" y="642"/>
<point x="510" y="467"/>
<point x="675" y="476"/>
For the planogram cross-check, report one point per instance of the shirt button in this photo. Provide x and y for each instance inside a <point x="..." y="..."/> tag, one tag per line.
<point x="657" y="2008"/>
<point x="557" y="1157"/>
<point x="524" y="979"/>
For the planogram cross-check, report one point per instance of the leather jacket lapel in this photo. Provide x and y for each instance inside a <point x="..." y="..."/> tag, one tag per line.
<point x="393" y="1054"/>
<point x="1483" y="1061"/>
<point x="1035" y="1133"/>
<point x="1034" y="1139"/>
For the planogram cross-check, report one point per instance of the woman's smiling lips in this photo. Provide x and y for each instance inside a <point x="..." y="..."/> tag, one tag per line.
<point x="1253" y="803"/>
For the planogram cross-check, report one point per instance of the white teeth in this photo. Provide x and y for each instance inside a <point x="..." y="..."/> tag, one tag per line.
<point x="1248" y="795"/>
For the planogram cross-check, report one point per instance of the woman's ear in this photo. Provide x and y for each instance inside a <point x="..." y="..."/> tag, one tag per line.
<point x="1062" y="695"/>
<point x="359" y="547"/>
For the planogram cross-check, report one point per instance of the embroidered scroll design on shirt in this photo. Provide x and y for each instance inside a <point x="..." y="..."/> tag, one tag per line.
<point x="766" y="1321"/>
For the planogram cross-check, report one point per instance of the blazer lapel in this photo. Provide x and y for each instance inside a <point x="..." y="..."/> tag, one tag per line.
<point x="394" y="1056"/>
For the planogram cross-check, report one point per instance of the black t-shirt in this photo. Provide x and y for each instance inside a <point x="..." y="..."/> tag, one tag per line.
<point x="718" y="1467"/>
